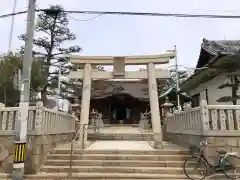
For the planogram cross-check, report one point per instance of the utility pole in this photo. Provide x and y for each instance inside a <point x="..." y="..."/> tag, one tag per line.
<point x="21" y="122"/>
<point x="177" y="78"/>
<point x="12" y="27"/>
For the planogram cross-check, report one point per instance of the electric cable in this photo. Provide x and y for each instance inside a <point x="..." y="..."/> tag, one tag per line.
<point x="75" y="19"/>
<point x="153" y="14"/>
<point x="12" y="14"/>
<point x="203" y="16"/>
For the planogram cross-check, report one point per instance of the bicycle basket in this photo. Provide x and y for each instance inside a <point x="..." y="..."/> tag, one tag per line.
<point x="193" y="149"/>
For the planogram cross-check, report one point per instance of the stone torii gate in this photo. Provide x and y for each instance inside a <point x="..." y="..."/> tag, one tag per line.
<point x="119" y="73"/>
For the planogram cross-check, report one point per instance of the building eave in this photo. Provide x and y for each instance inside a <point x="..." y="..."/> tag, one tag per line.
<point x="211" y="49"/>
<point x="219" y="64"/>
<point x="215" y="57"/>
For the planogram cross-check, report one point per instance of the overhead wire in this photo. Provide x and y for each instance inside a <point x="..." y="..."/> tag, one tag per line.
<point x="92" y="18"/>
<point x="154" y="14"/>
<point x="184" y="15"/>
<point x="12" y="14"/>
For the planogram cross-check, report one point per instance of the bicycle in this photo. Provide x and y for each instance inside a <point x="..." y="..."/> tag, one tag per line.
<point x="201" y="163"/>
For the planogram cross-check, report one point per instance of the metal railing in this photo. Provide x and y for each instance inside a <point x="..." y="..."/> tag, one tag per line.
<point x="80" y="134"/>
<point x="71" y="152"/>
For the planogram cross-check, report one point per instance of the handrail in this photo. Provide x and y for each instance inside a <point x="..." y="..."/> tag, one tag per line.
<point x="81" y="130"/>
<point x="71" y="152"/>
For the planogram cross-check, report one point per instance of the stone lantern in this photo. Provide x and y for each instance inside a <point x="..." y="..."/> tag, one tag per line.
<point x="167" y="107"/>
<point x="76" y="107"/>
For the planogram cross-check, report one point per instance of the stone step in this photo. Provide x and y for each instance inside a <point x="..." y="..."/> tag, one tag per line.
<point x="119" y="157"/>
<point x="101" y="176"/>
<point x="120" y="136"/>
<point x="107" y="176"/>
<point x="120" y="163"/>
<point x="114" y="169"/>
<point x="121" y="125"/>
<point x="130" y="152"/>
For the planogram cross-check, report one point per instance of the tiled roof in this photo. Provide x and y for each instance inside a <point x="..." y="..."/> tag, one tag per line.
<point x="211" y="49"/>
<point x="228" y="47"/>
<point x="210" y="52"/>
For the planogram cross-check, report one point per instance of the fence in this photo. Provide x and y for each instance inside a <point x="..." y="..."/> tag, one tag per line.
<point x="41" y="120"/>
<point x="206" y="120"/>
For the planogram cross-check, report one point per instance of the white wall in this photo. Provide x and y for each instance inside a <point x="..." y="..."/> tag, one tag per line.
<point x="214" y="92"/>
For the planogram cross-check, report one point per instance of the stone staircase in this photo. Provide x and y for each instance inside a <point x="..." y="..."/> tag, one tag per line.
<point x="118" y="136"/>
<point x="119" y="133"/>
<point x="110" y="164"/>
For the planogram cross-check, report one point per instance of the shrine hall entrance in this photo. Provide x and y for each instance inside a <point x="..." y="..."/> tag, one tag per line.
<point x="121" y="109"/>
<point x="119" y="114"/>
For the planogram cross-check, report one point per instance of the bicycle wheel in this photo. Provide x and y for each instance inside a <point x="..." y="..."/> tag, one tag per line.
<point x="231" y="166"/>
<point x="195" y="168"/>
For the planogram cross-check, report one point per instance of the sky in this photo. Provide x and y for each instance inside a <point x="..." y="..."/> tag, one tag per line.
<point x="136" y="35"/>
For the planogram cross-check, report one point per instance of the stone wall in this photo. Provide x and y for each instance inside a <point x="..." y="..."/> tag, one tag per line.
<point x="227" y="143"/>
<point x="39" y="147"/>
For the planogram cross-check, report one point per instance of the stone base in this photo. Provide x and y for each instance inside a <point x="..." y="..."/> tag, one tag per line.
<point x="38" y="148"/>
<point x="157" y="141"/>
<point x="229" y="144"/>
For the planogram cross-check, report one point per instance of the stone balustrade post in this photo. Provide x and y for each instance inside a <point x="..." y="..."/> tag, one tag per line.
<point x="2" y="105"/>
<point x="39" y="118"/>
<point x="204" y="116"/>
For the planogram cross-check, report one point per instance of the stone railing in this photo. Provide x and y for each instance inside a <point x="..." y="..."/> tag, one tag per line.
<point x="45" y="128"/>
<point x="219" y="125"/>
<point x="223" y="119"/>
<point x="206" y="120"/>
<point x="185" y="122"/>
<point x="41" y="120"/>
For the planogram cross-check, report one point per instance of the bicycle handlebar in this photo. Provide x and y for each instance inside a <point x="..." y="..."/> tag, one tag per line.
<point x="203" y="143"/>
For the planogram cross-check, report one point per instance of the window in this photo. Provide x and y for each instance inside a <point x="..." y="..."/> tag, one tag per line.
<point x="195" y="100"/>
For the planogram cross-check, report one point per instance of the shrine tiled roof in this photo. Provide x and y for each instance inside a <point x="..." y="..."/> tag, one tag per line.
<point x="213" y="48"/>
<point x="214" y="55"/>
<point x="228" y="47"/>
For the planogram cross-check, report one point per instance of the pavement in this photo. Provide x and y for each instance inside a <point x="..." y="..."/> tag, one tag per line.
<point x="119" y="130"/>
<point x="120" y="145"/>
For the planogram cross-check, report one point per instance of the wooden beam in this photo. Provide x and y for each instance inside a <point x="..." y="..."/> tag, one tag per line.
<point x="129" y="60"/>
<point x="163" y="74"/>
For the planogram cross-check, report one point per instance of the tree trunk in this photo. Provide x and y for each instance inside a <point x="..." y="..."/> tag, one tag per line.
<point x="44" y="96"/>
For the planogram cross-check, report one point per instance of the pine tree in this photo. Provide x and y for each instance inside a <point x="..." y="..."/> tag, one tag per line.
<point x="52" y="33"/>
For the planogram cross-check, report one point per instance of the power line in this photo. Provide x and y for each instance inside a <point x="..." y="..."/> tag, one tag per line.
<point x="205" y="16"/>
<point x="153" y="14"/>
<point x="75" y="19"/>
<point x="12" y="14"/>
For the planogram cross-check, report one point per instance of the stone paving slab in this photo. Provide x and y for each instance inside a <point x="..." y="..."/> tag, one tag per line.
<point x="105" y="176"/>
<point x="119" y="130"/>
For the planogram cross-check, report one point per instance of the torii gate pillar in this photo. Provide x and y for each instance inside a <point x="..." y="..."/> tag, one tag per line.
<point x="154" y="105"/>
